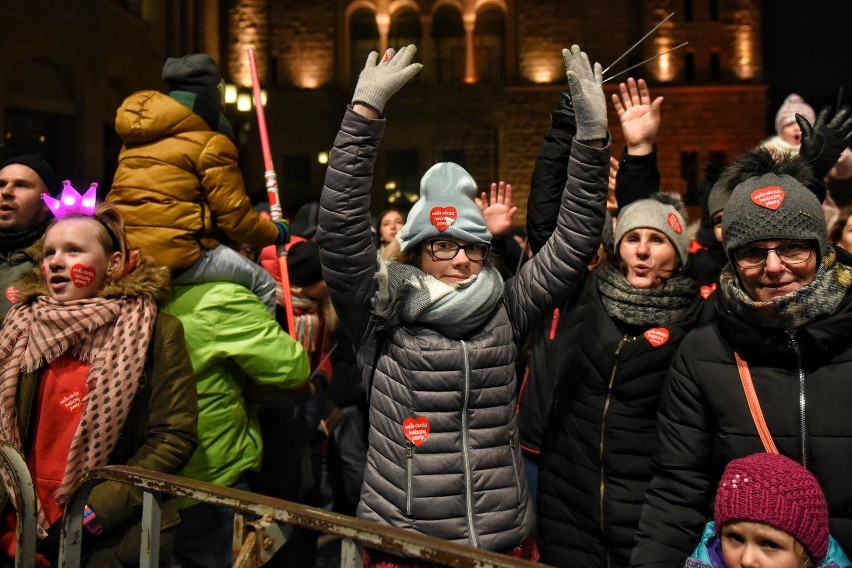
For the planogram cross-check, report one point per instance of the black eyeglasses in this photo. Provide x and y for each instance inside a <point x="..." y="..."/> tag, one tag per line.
<point x="790" y="253"/>
<point x="447" y="250"/>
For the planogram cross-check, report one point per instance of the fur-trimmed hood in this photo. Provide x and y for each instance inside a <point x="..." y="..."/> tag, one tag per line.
<point x="147" y="278"/>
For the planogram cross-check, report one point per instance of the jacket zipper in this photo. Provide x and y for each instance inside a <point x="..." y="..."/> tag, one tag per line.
<point x="512" y="449"/>
<point x="468" y="481"/>
<point x="803" y="420"/>
<point x="409" y="455"/>
<point x="603" y="436"/>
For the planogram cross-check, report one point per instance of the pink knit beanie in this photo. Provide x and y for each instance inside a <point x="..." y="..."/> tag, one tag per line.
<point x="793" y="104"/>
<point x="773" y="489"/>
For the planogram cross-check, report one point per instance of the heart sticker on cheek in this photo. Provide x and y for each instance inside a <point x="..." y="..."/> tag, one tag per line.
<point x="442" y="217"/>
<point x="82" y="275"/>
<point x="13" y="294"/>
<point x="416" y="429"/>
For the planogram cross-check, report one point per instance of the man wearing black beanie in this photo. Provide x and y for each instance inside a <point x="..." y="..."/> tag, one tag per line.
<point x="23" y="218"/>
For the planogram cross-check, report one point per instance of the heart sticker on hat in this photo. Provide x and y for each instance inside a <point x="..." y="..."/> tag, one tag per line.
<point x="705" y="291"/>
<point x="770" y="197"/>
<point x="82" y="275"/>
<point x="674" y="223"/>
<point x="443" y="217"/>
<point x="416" y="429"/>
<point x="657" y="336"/>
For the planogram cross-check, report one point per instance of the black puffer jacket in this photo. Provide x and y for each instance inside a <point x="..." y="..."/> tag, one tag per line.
<point x="596" y="462"/>
<point x="705" y="422"/>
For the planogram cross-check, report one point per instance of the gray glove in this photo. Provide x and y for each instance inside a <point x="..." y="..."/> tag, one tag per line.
<point x="586" y="93"/>
<point x="380" y="80"/>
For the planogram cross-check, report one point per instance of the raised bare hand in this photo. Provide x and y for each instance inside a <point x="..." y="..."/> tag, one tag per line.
<point x="498" y="210"/>
<point x="639" y="116"/>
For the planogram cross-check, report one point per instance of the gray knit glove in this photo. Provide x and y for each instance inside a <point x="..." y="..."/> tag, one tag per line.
<point x="380" y="80"/>
<point x="587" y="94"/>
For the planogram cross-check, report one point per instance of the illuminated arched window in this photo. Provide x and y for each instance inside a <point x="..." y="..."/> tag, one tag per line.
<point x="364" y="38"/>
<point x="405" y="29"/>
<point x="448" y="42"/>
<point x="489" y="43"/>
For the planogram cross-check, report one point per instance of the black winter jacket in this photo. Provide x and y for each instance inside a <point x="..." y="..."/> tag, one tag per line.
<point x="596" y="462"/>
<point x="804" y="384"/>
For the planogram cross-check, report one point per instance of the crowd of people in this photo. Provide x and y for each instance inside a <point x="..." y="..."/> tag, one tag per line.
<point x="614" y="386"/>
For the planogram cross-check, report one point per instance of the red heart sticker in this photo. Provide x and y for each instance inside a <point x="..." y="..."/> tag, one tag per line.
<point x="442" y="217"/>
<point x="657" y="336"/>
<point x="770" y="197"/>
<point x="82" y="275"/>
<point x="707" y="290"/>
<point x="674" y="223"/>
<point x="72" y="401"/>
<point x="416" y="429"/>
<point x="13" y="294"/>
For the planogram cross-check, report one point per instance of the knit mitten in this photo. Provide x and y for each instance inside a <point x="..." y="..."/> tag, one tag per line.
<point x="586" y="93"/>
<point x="381" y="79"/>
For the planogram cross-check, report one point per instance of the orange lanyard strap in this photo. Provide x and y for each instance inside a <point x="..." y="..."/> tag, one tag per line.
<point x="754" y="406"/>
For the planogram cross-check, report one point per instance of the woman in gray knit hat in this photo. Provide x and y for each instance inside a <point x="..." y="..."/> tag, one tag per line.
<point x="613" y="345"/>
<point x="772" y="371"/>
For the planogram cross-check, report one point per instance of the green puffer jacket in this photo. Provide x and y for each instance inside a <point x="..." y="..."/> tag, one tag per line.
<point x="178" y="181"/>
<point x="232" y="340"/>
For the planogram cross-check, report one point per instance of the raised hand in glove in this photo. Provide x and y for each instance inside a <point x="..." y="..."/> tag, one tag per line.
<point x="563" y="117"/>
<point x="586" y="94"/>
<point x="823" y="143"/>
<point x="381" y="79"/>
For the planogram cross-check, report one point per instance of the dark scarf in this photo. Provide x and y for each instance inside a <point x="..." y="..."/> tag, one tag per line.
<point x="644" y="306"/>
<point x="790" y="311"/>
<point x="13" y="241"/>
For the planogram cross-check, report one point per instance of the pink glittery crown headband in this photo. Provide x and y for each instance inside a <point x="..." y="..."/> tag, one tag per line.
<point x="72" y="203"/>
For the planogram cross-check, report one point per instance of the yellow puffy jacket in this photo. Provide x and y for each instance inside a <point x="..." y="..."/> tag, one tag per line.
<point x="177" y="180"/>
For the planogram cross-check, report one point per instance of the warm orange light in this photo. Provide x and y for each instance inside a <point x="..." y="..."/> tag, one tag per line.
<point x="744" y="63"/>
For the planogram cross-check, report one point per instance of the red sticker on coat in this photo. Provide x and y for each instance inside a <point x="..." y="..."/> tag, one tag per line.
<point x="82" y="275"/>
<point x="705" y="291"/>
<point x="442" y="217"/>
<point x="72" y="401"/>
<point x="674" y="223"/>
<point x="770" y="197"/>
<point x="416" y="429"/>
<point x="13" y="294"/>
<point x="657" y="336"/>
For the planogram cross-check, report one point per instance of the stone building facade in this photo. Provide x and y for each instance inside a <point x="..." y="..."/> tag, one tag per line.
<point x="492" y="74"/>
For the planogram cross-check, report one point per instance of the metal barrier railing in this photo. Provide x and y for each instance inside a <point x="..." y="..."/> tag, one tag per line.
<point x="390" y="539"/>
<point x="25" y="528"/>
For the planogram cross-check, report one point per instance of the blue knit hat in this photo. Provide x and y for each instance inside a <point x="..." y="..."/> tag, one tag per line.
<point x="446" y="208"/>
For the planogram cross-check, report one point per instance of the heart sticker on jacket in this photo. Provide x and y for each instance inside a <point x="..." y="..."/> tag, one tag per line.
<point x="657" y="336"/>
<point x="13" y="294"/>
<point x="442" y="217"/>
<point x="770" y="197"/>
<point x="71" y="401"/>
<point x="416" y="429"/>
<point x="82" y="275"/>
<point x="705" y="291"/>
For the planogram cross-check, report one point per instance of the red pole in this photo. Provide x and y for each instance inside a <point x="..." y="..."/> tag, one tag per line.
<point x="272" y="190"/>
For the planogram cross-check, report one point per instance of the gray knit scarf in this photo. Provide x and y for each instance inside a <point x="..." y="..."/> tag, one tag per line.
<point x="407" y="295"/>
<point x="644" y="306"/>
<point x="790" y="311"/>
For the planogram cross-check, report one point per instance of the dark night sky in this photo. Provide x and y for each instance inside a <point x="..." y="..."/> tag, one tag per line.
<point x="807" y="49"/>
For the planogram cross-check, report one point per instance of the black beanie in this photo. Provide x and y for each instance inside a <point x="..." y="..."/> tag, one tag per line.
<point x="197" y="74"/>
<point x="303" y="264"/>
<point x="40" y="167"/>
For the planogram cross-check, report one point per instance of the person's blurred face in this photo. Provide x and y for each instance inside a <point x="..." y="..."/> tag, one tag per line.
<point x="717" y="225"/>
<point x="452" y="271"/>
<point x="21" y="206"/>
<point x="746" y="544"/>
<point x="791" y="134"/>
<point x="390" y="225"/>
<point x="75" y="264"/>
<point x="648" y="257"/>
<point x="845" y="241"/>
<point x="775" y="277"/>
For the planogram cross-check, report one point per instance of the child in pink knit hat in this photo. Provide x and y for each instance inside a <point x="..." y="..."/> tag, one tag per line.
<point x="770" y="513"/>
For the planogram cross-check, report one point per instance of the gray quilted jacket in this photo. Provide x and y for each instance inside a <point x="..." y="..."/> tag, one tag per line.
<point x="464" y="483"/>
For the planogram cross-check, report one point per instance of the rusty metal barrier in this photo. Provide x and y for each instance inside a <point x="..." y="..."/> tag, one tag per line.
<point x="390" y="539"/>
<point x="22" y="481"/>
